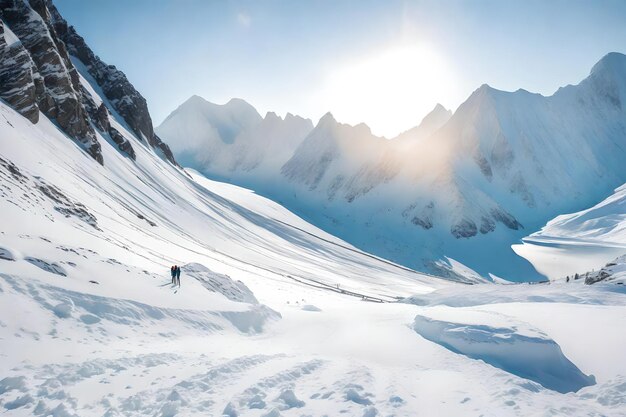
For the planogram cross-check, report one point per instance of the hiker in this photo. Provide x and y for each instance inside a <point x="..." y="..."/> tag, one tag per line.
<point x="178" y="275"/>
<point x="173" y="272"/>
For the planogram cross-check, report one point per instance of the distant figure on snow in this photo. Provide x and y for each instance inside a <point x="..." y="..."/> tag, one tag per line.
<point x="173" y="272"/>
<point x="178" y="275"/>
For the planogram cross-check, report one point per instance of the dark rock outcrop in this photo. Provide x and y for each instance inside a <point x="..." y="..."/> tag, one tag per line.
<point x="425" y="223"/>
<point x="464" y="229"/>
<point x="120" y="93"/>
<point x="505" y="218"/>
<point x="100" y="117"/>
<point x="613" y="272"/>
<point x="59" y="98"/>
<point x="487" y="225"/>
<point x="37" y="74"/>
<point x="122" y="144"/>
<point x="17" y="80"/>
<point x="164" y="148"/>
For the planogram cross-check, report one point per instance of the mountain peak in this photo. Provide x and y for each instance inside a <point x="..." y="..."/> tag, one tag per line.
<point x="608" y="78"/>
<point x="481" y="96"/>
<point x="485" y="89"/>
<point x="613" y="61"/>
<point x="327" y="120"/>
<point x="439" y="108"/>
<point x="436" y="118"/>
<point x="439" y="112"/>
<point x="234" y="104"/>
<point x="195" y="99"/>
<point x="270" y="115"/>
<point x="237" y="102"/>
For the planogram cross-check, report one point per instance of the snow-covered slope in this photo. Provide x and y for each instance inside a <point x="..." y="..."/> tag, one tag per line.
<point x="581" y="241"/>
<point x="232" y="141"/>
<point x="604" y="223"/>
<point x="502" y="165"/>
<point x="274" y="317"/>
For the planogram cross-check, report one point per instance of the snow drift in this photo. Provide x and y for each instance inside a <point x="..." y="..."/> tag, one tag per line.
<point x="532" y="356"/>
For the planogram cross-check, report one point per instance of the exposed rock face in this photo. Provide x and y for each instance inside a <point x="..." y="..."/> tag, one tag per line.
<point x="464" y="228"/>
<point x="17" y="80"/>
<point x="613" y="272"/>
<point x="164" y="148"/>
<point x="122" y="144"/>
<point x="124" y="98"/>
<point x="59" y="99"/>
<point x="100" y="117"/>
<point x="37" y="74"/>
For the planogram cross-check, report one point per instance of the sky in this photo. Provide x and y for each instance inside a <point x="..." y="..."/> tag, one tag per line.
<point x="386" y="63"/>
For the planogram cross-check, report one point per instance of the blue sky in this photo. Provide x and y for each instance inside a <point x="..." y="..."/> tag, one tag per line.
<point x="385" y="63"/>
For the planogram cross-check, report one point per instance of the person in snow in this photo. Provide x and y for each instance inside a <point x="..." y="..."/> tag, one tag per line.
<point x="178" y="275"/>
<point x="173" y="272"/>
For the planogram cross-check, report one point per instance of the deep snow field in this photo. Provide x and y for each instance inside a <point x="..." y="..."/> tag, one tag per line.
<point x="579" y="241"/>
<point x="274" y="316"/>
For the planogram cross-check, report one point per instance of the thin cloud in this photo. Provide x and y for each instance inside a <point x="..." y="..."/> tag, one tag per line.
<point x="244" y="19"/>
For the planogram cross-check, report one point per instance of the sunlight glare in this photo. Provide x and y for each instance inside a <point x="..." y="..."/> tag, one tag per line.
<point x="391" y="90"/>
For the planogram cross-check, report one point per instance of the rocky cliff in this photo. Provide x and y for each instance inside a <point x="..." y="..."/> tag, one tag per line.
<point x="38" y="50"/>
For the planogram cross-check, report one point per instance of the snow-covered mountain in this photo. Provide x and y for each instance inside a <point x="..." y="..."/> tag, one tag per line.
<point x="503" y="164"/>
<point x="232" y="141"/>
<point x="274" y="316"/>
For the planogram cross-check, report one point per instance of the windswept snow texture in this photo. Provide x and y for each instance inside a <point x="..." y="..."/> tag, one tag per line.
<point x="535" y="357"/>
<point x="581" y="241"/>
<point x="465" y="186"/>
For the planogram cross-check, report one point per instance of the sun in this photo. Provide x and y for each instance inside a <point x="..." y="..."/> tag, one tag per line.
<point x="390" y="90"/>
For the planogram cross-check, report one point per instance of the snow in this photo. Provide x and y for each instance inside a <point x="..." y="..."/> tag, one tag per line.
<point x="497" y="169"/>
<point x="273" y="315"/>
<point x="532" y="356"/>
<point x="232" y="139"/>
<point x="6" y="254"/>
<point x="9" y="37"/>
<point x="605" y="222"/>
<point x="429" y="124"/>
<point x="581" y="241"/>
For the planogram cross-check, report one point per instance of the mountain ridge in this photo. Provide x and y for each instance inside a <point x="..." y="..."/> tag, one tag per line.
<point x="504" y="162"/>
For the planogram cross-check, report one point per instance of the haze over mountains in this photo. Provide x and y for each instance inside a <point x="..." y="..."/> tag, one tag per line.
<point x="497" y="169"/>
